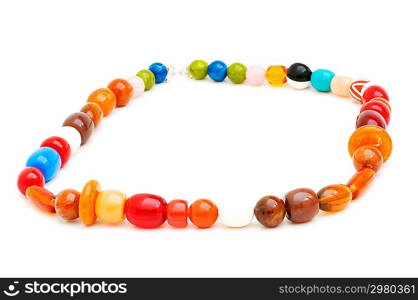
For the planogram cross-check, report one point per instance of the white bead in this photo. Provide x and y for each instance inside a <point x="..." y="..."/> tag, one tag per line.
<point x="299" y="85"/>
<point x="236" y="215"/>
<point x="72" y="136"/>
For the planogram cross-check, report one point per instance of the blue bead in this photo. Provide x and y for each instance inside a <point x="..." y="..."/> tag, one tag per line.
<point x="160" y="72"/>
<point x="321" y="80"/>
<point x="217" y="70"/>
<point x="46" y="160"/>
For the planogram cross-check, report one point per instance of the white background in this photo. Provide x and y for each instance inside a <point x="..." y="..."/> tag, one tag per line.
<point x="188" y="139"/>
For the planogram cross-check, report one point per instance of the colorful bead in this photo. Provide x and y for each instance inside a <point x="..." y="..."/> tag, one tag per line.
<point x="236" y="215"/>
<point x="360" y="182"/>
<point x="270" y="211"/>
<point x="138" y="86"/>
<point x="198" y="69"/>
<point x="146" y="210"/>
<point x="203" y="213"/>
<point x="160" y="72"/>
<point x="217" y="71"/>
<point x="148" y="77"/>
<point x="110" y="206"/>
<point x="255" y="75"/>
<point x="276" y="75"/>
<point x="356" y="89"/>
<point x="94" y="111"/>
<point x="28" y="177"/>
<point x="236" y="73"/>
<point x="83" y="123"/>
<point x="122" y="90"/>
<point x="61" y="146"/>
<point x="177" y="213"/>
<point x="374" y="91"/>
<point x="321" y="80"/>
<point x="46" y="160"/>
<point x="41" y="197"/>
<point x="105" y="99"/>
<point x="299" y="76"/>
<point x="333" y="198"/>
<point x="87" y="205"/>
<point x="340" y="85"/>
<point x="302" y="205"/>
<point x="367" y="157"/>
<point x="379" y="105"/>
<point x="72" y="136"/>
<point x="66" y="204"/>
<point x="370" y="117"/>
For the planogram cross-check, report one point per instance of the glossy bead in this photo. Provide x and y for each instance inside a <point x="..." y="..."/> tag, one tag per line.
<point x="203" y="213"/>
<point x="28" y="177"/>
<point x="217" y="71"/>
<point x="138" y="86"/>
<point x="359" y="183"/>
<point x="198" y="69"/>
<point x="356" y="89"/>
<point x="276" y="75"/>
<point x="72" y="136"/>
<point x="299" y="76"/>
<point x="66" y="204"/>
<point x="370" y="117"/>
<point x="87" y="205"/>
<point x="371" y="136"/>
<point x="177" y="213"/>
<point x="374" y="91"/>
<point x="110" y="206"/>
<point x="148" y="77"/>
<point x="105" y="99"/>
<point x="61" y="146"/>
<point x="367" y="157"/>
<point x="94" y="111"/>
<point x="378" y="105"/>
<point x="41" y="197"/>
<point x="270" y="211"/>
<point x="333" y="198"/>
<point x="122" y="90"/>
<point x="255" y="75"/>
<point x="83" y="123"/>
<point x="302" y="205"/>
<point x="46" y="160"/>
<point x="160" y="72"/>
<point x="236" y="215"/>
<point x="236" y="73"/>
<point x="321" y="80"/>
<point x="340" y="85"/>
<point x="146" y="210"/>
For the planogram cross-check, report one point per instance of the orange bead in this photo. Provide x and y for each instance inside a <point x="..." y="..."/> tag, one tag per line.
<point x="42" y="198"/>
<point x="359" y="183"/>
<point x="87" y="205"/>
<point x="367" y="157"/>
<point x="110" y="206"/>
<point x="66" y="204"/>
<point x="276" y="75"/>
<point x="105" y="98"/>
<point x="334" y="197"/>
<point x="203" y="213"/>
<point x="371" y="135"/>
<point x="94" y="111"/>
<point x="122" y="90"/>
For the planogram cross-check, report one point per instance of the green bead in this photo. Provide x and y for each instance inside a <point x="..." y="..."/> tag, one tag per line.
<point x="198" y="69"/>
<point x="236" y="73"/>
<point x="148" y="77"/>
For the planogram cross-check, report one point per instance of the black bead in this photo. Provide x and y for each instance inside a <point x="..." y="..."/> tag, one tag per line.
<point x="299" y="72"/>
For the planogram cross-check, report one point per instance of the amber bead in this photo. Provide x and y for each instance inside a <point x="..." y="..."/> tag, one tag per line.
<point x="302" y="205"/>
<point x="83" y="123"/>
<point x="87" y="205"/>
<point x="367" y="157"/>
<point x="94" y="111"/>
<point x="270" y="211"/>
<point x="110" y="206"/>
<point x="42" y="198"/>
<point x="66" y="204"/>
<point x="276" y="75"/>
<point x="203" y="213"/>
<point x="334" y="197"/>
<point x="105" y="98"/>
<point x="122" y="90"/>
<point x="360" y="182"/>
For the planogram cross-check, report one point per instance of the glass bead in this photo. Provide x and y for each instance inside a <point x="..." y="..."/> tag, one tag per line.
<point x="298" y="76"/>
<point x="177" y="213"/>
<point x="148" y="77"/>
<point x="370" y="117"/>
<point x="110" y="206"/>
<point x="321" y="80"/>
<point x="302" y="205"/>
<point x="236" y="73"/>
<point x="61" y="146"/>
<point x="198" y="69"/>
<point x="203" y="213"/>
<point x="46" y="160"/>
<point x="255" y="75"/>
<point x="146" y="210"/>
<point x="28" y="177"/>
<point x="270" y="211"/>
<point x="367" y="157"/>
<point x="41" y="197"/>
<point x="105" y="98"/>
<point x="138" y="86"/>
<point x="356" y="89"/>
<point x="374" y="91"/>
<point x="160" y="72"/>
<point x="379" y="105"/>
<point x="83" y="123"/>
<point x="94" y="111"/>
<point x="122" y="90"/>
<point x="359" y="183"/>
<point x="276" y="75"/>
<point x="66" y="204"/>
<point x="333" y="198"/>
<point x="217" y="70"/>
<point x="87" y="205"/>
<point x="340" y="85"/>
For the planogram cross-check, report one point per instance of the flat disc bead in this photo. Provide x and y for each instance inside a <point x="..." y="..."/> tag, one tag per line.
<point x="110" y="206"/>
<point x="72" y="136"/>
<point x="237" y="73"/>
<point x="122" y="90"/>
<point x="374" y="91"/>
<point x="87" y="205"/>
<point x="83" y="123"/>
<point x="66" y="204"/>
<point x="340" y="86"/>
<point x="148" y="77"/>
<point x="203" y="213"/>
<point x="302" y="205"/>
<point x="321" y="80"/>
<point x="367" y="157"/>
<point x="236" y="215"/>
<point x="138" y="86"/>
<point x="46" y="160"/>
<point x="61" y="146"/>
<point x="146" y="210"/>
<point x="270" y="211"/>
<point x="94" y="111"/>
<point x="105" y="98"/>
<point x="42" y="198"/>
<point x="333" y="198"/>
<point x="198" y="69"/>
<point x="299" y="76"/>
<point x="360" y="181"/>
<point x="370" y="117"/>
<point x="217" y="71"/>
<point x="177" y="213"/>
<point x="276" y="75"/>
<point x="378" y="105"/>
<point x="255" y="75"/>
<point x="28" y="177"/>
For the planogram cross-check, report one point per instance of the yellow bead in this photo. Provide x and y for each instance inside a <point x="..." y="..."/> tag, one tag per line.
<point x="110" y="206"/>
<point x="276" y="75"/>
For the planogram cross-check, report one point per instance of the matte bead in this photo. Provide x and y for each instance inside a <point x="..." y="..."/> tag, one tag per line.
<point x="87" y="205"/>
<point x="217" y="70"/>
<point x="46" y="160"/>
<point x="333" y="198"/>
<point x="66" y="204"/>
<point x="198" y="69"/>
<point x="148" y="77"/>
<point x="302" y="205"/>
<point x="83" y="123"/>
<point x="41" y="197"/>
<point x="360" y="182"/>
<point x="146" y="210"/>
<point x="379" y="105"/>
<point x="276" y="75"/>
<point x="255" y="75"/>
<point x="236" y="73"/>
<point x="105" y="98"/>
<point x="110" y="206"/>
<point x="203" y="213"/>
<point x="94" y="111"/>
<point x="321" y="80"/>
<point x="160" y="72"/>
<point x="177" y="213"/>
<point x="28" y="177"/>
<point x="299" y="76"/>
<point x="367" y="157"/>
<point x="236" y="215"/>
<point x="61" y="146"/>
<point x="370" y="117"/>
<point x="138" y="86"/>
<point x="122" y="90"/>
<point x="72" y="136"/>
<point x="270" y="211"/>
<point x="356" y="89"/>
<point x="374" y="91"/>
<point x="340" y="86"/>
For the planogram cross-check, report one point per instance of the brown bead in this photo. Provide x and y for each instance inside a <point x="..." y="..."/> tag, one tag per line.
<point x="270" y="211"/>
<point x="66" y="204"/>
<point x="94" y="111"/>
<point x="367" y="157"/>
<point x="334" y="197"/>
<point x="302" y="205"/>
<point x="83" y="123"/>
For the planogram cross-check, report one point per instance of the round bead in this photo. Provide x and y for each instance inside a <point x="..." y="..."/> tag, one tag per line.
<point x="255" y="75"/>
<point x="378" y="105"/>
<point x="217" y="71"/>
<point x="61" y="146"/>
<point x="302" y="205"/>
<point x="374" y="91"/>
<point x="367" y="157"/>
<point x="46" y="160"/>
<point x="356" y="89"/>
<point x="340" y="86"/>
<point x="236" y="215"/>
<point x="110" y="206"/>
<point x="160" y="72"/>
<point x="359" y="183"/>
<point x="299" y="76"/>
<point x="146" y="210"/>
<point x="94" y="111"/>
<point x="87" y="205"/>
<point x="371" y="136"/>
<point x="333" y="198"/>
<point x="105" y="99"/>
<point x="28" y="177"/>
<point x="41" y="197"/>
<point x="276" y="75"/>
<point x="321" y="80"/>
<point x="370" y="117"/>
<point x="203" y="213"/>
<point x="83" y="123"/>
<point x="138" y="86"/>
<point x="148" y="77"/>
<point x="122" y="90"/>
<point x="270" y="211"/>
<point x="198" y="69"/>
<point x="72" y="136"/>
<point x="177" y="213"/>
<point x="236" y="73"/>
<point x="66" y="204"/>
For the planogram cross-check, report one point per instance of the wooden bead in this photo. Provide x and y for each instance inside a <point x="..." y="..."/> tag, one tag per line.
<point x="94" y="111"/>
<point x="333" y="198"/>
<point x="367" y="157"/>
<point x="87" y="206"/>
<point x="41" y="197"/>
<point x="83" y="123"/>
<point x="270" y="211"/>
<point x="110" y="206"/>
<point x="66" y="204"/>
<point x="360" y="182"/>
<point x="302" y="205"/>
<point x="105" y="98"/>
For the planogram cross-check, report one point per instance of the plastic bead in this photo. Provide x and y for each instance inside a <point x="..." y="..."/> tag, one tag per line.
<point x="105" y="99"/>
<point x="360" y="182"/>
<point x="41" y="197"/>
<point x="321" y="80"/>
<point x="177" y="213"/>
<point x="61" y="146"/>
<point x="72" y="136"/>
<point x="367" y="157"/>
<point x="333" y="198"/>
<point x="378" y="105"/>
<point x="370" y="117"/>
<point x="236" y="73"/>
<point x="236" y="215"/>
<point x="138" y="86"/>
<point x="66" y="204"/>
<point x="46" y="160"/>
<point x="94" y="111"/>
<point x="299" y="76"/>
<point x="217" y="71"/>
<point x="28" y="177"/>
<point x="374" y="91"/>
<point x="270" y="211"/>
<point x="87" y="205"/>
<point x="160" y="72"/>
<point x="203" y="213"/>
<point x="255" y="75"/>
<point x="110" y="206"/>
<point x="276" y="75"/>
<point x="123" y="91"/>
<point x="83" y="123"/>
<point x="146" y="210"/>
<point x="302" y="205"/>
<point x="148" y="77"/>
<point x="340" y="86"/>
<point x="356" y="89"/>
<point x="198" y="69"/>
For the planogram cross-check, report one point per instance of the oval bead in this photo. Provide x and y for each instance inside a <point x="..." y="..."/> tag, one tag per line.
<point x="255" y="75"/>
<point x="110" y="206"/>
<point x="298" y="76"/>
<point x="198" y="69"/>
<point x="94" y="111"/>
<point x="146" y="210"/>
<point x="378" y="105"/>
<point x="160" y="72"/>
<point x="41" y="197"/>
<point x="105" y="99"/>
<point x="46" y="160"/>
<point x="367" y="157"/>
<point x="276" y="75"/>
<point x="177" y="213"/>
<point x="333" y="198"/>
<point x="370" y="117"/>
<point x="237" y="73"/>
<point x="66" y="204"/>
<point x="321" y="80"/>
<point x="72" y="136"/>
<point x="236" y="215"/>
<point x="356" y="89"/>
<point x="28" y="177"/>
<point x="217" y="70"/>
<point x="61" y="146"/>
<point x="270" y="211"/>
<point x="87" y="205"/>
<point x="360" y="181"/>
<point x="148" y="77"/>
<point x="340" y="86"/>
<point x="122" y="90"/>
<point x="83" y="123"/>
<point x="138" y="86"/>
<point x="374" y="91"/>
<point x="203" y="213"/>
<point x="302" y="205"/>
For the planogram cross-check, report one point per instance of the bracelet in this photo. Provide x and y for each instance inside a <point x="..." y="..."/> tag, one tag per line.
<point x="369" y="146"/>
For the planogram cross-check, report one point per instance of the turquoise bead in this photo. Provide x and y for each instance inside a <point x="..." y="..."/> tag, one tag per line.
<point x="46" y="160"/>
<point x="321" y="80"/>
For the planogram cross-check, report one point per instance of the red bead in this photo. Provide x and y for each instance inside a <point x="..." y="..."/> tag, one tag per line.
<point x="177" y="212"/>
<point x="370" y="117"/>
<point x="146" y="210"/>
<point x="377" y="104"/>
<point x="28" y="177"/>
<point x="374" y="91"/>
<point x="61" y="146"/>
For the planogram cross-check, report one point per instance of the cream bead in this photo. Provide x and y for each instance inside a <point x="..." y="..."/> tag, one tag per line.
<point x="236" y="215"/>
<point x="340" y="86"/>
<point x="299" y="85"/>
<point x="72" y="136"/>
<point x="110" y="206"/>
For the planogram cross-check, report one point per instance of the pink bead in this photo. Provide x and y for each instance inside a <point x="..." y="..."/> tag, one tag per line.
<point x="255" y="75"/>
<point x="138" y="86"/>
